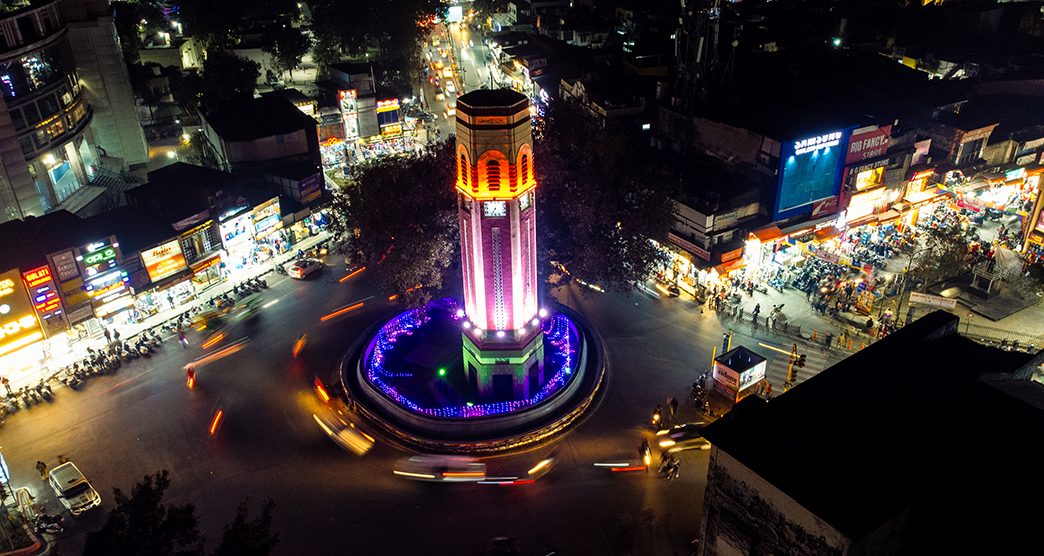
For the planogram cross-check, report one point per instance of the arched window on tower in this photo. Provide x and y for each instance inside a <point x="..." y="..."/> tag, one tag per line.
<point x="493" y="175"/>
<point x="464" y="173"/>
<point x="523" y="165"/>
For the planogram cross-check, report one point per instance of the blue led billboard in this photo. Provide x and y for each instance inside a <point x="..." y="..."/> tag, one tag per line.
<point x="810" y="171"/>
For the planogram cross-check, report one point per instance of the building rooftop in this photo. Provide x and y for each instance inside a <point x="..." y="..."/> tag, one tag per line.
<point x="913" y="422"/>
<point x="818" y="90"/>
<point x="181" y="191"/>
<point x="256" y="118"/>
<point x="491" y="98"/>
<point x="28" y="242"/>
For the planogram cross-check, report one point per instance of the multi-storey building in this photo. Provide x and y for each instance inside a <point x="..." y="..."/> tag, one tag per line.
<point x="46" y="148"/>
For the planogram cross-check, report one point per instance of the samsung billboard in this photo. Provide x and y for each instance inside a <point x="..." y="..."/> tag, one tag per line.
<point x="810" y="171"/>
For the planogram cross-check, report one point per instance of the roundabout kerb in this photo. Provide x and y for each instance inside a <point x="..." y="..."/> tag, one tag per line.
<point x="479" y="435"/>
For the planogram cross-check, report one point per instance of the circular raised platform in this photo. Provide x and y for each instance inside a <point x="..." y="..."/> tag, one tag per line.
<point x="409" y="376"/>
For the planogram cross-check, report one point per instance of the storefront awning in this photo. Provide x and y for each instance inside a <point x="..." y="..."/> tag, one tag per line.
<point x="887" y="216"/>
<point x="735" y="264"/>
<point x="827" y="233"/>
<point x="858" y="221"/>
<point x="768" y="234"/>
<point x="806" y="227"/>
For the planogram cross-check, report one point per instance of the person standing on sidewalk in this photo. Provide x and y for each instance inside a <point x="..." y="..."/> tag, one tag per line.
<point x="7" y="384"/>
<point x="108" y="336"/>
<point x="170" y="299"/>
<point x="42" y="468"/>
<point x="673" y="408"/>
<point x="115" y="334"/>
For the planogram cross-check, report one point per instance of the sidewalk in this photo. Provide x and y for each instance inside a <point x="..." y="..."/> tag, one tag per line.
<point x="55" y="362"/>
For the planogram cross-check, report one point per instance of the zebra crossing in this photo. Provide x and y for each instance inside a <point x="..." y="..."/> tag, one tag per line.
<point x="816" y="360"/>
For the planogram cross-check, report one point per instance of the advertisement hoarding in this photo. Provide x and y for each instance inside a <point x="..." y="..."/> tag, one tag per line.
<point x="43" y="293"/>
<point x="868" y="143"/>
<point x="19" y="326"/>
<point x="164" y="260"/>
<point x="753" y="375"/>
<point x="810" y="171"/>
<point x="726" y="376"/>
<point x="267" y="218"/>
<point x="918" y="298"/>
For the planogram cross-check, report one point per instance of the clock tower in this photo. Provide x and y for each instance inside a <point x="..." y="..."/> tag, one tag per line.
<point x="495" y="183"/>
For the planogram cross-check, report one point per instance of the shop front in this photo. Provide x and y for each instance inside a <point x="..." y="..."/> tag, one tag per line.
<point x="168" y="272"/>
<point x="237" y="236"/>
<point x="201" y="247"/>
<point x="267" y="222"/>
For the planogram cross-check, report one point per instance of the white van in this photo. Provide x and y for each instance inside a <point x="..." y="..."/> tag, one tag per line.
<point x="72" y="488"/>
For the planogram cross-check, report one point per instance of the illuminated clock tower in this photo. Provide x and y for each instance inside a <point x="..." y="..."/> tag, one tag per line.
<point x="495" y="182"/>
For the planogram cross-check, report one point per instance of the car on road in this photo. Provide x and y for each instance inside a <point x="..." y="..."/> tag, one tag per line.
<point x="335" y="421"/>
<point x="440" y="469"/>
<point x="440" y="96"/>
<point x="450" y="87"/>
<point x="450" y="112"/>
<point x="683" y="437"/>
<point x="447" y="72"/>
<point x="302" y="268"/>
<point x="72" y="488"/>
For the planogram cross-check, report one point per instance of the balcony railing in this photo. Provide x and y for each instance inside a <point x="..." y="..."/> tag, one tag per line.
<point x="27" y="29"/>
<point x="73" y="119"/>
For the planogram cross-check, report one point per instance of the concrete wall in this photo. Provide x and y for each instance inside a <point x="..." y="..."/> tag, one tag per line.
<point x="726" y="142"/>
<point x="267" y="148"/>
<point x="746" y="515"/>
<point x="18" y="197"/>
<point x="107" y="89"/>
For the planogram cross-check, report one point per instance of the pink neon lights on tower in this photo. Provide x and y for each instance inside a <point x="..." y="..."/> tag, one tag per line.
<point x="494" y="158"/>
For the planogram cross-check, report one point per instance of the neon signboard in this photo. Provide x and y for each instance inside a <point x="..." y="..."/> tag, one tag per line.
<point x="817" y="142"/>
<point x="19" y="326"/>
<point x="44" y="294"/>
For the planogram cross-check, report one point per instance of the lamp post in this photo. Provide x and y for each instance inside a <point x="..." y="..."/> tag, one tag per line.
<point x="902" y="291"/>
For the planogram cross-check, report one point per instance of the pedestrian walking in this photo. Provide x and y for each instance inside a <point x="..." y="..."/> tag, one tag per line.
<point x="170" y="299"/>
<point x="108" y="335"/>
<point x="673" y="405"/>
<point x="7" y="385"/>
<point x="182" y="339"/>
<point x="115" y="334"/>
<point x="42" y="468"/>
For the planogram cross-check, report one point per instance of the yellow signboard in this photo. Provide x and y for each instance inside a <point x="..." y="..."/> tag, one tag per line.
<point x="19" y="326"/>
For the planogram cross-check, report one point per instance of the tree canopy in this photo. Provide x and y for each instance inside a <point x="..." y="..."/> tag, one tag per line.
<point x="352" y="28"/>
<point x="945" y="255"/>
<point x="288" y="46"/>
<point x="142" y="525"/>
<point x="398" y="217"/>
<point x="228" y="77"/>
<point x="599" y="203"/>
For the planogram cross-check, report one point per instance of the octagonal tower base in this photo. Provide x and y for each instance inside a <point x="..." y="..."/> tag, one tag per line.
<point x="507" y="370"/>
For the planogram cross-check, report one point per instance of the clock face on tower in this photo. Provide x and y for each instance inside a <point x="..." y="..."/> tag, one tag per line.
<point x="494" y="208"/>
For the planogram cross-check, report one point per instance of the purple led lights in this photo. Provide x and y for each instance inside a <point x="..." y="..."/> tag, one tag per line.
<point x="559" y="332"/>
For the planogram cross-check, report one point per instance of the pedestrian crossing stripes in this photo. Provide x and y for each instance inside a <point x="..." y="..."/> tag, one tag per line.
<point x="816" y="361"/>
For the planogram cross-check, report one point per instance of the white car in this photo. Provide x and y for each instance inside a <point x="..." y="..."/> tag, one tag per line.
<point x="302" y="268"/>
<point x="72" y="488"/>
<point x="450" y="87"/>
<point x="440" y="468"/>
<point x="440" y="96"/>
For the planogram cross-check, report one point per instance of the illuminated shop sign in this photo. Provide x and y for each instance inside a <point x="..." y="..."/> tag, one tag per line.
<point x="349" y="113"/>
<point x="267" y="217"/>
<point x="19" y="326"/>
<point x="237" y="231"/>
<point x="868" y="143"/>
<point x="811" y="144"/>
<point x="43" y="293"/>
<point x="98" y="258"/>
<point x="164" y="260"/>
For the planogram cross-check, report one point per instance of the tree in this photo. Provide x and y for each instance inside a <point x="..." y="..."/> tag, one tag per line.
<point x="228" y="77"/>
<point x="398" y="217"/>
<point x="141" y="77"/>
<point x="136" y="20"/>
<point x="287" y="45"/>
<point x="141" y="524"/>
<point x="186" y="87"/>
<point x="599" y="203"/>
<point x="249" y="538"/>
<point x="945" y="255"/>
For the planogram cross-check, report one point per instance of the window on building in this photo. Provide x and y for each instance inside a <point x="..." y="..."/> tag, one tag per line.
<point x="463" y="169"/>
<point x="524" y="166"/>
<point x="17" y="119"/>
<point x="32" y="115"/>
<point x="48" y="105"/>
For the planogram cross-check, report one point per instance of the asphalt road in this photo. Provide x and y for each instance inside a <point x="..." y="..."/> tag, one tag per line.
<point x="142" y="419"/>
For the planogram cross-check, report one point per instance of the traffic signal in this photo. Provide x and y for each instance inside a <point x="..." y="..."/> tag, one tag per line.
<point x="801" y="360"/>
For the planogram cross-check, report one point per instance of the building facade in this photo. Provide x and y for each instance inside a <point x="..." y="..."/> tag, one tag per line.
<point x="47" y="150"/>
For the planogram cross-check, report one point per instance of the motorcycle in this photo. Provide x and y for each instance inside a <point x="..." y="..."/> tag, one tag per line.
<point x="49" y="524"/>
<point x="669" y="467"/>
<point x="44" y="393"/>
